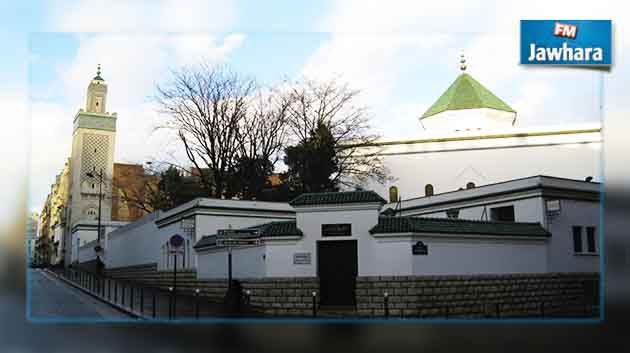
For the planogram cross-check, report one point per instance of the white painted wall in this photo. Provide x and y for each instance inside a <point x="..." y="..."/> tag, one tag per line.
<point x="362" y="218"/>
<point x="479" y="256"/>
<point x="143" y="241"/>
<point x="449" y="171"/>
<point x="561" y="255"/>
<point x="133" y="244"/>
<point x="380" y="255"/>
<point x="279" y="259"/>
<point x="247" y="262"/>
<point x="525" y="210"/>
<point x="387" y="257"/>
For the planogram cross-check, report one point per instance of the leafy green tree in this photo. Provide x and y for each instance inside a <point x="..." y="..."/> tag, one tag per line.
<point x="312" y="164"/>
<point x="250" y="178"/>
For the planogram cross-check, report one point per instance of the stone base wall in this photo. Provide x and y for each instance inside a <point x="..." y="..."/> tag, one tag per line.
<point x="282" y="296"/>
<point x="517" y="295"/>
<point x="187" y="281"/>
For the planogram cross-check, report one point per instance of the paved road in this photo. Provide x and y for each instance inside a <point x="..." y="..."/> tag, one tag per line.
<point x="52" y="299"/>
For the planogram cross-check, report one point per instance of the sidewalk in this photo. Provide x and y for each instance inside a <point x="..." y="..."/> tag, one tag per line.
<point x="148" y="303"/>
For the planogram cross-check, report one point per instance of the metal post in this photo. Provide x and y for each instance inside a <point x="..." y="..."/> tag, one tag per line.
<point x="141" y="300"/>
<point x="229" y="268"/>
<point x="122" y="295"/>
<point x="197" y="303"/>
<point x="109" y="289"/>
<point x="153" y="303"/>
<point x="498" y="310"/>
<point x="115" y="292"/>
<point x="170" y="303"/>
<point x="386" y="303"/>
<point x="174" y="284"/>
<point x="98" y="227"/>
<point x="314" y="294"/>
<point x="131" y="298"/>
<point x="247" y="297"/>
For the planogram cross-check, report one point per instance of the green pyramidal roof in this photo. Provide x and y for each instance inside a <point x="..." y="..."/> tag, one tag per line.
<point x="466" y="93"/>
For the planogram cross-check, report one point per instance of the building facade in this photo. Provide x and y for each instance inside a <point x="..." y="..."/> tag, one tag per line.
<point x="70" y="216"/>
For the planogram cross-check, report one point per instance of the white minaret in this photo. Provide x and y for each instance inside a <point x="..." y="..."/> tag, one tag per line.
<point x="93" y="142"/>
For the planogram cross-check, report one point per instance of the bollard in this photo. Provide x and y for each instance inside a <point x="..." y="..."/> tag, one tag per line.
<point x="115" y="292"/>
<point x="170" y="303"/>
<point x="141" y="300"/>
<point x="314" y="303"/>
<point x="153" y="303"/>
<point x="386" y="303"/>
<point x="197" y="303"/>
<point x="248" y="297"/>
<point x="122" y="294"/>
<point x="131" y="298"/>
<point x="109" y="289"/>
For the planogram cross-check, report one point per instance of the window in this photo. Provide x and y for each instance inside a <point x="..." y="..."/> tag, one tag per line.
<point x="470" y="185"/>
<point x="577" y="239"/>
<point x="502" y="214"/>
<point x="428" y="190"/>
<point x="590" y="239"/>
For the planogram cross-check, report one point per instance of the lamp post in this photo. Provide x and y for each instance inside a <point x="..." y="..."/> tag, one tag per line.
<point x="98" y="249"/>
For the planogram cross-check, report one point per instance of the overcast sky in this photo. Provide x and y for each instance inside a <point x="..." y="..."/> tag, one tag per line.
<point x="401" y="55"/>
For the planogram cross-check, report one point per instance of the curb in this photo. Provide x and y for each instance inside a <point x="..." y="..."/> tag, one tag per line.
<point x="95" y="296"/>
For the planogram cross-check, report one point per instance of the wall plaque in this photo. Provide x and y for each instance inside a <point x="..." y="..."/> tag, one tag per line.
<point x="302" y="258"/>
<point x="419" y="248"/>
<point x="337" y="230"/>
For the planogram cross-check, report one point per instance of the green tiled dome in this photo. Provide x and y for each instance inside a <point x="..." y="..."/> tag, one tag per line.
<point x="466" y="93"/>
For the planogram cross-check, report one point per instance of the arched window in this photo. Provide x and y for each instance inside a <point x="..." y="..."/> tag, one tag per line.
<point x="470" y="185"/>
<point x="393" y="194"/>
<point x="91" y="213"/>
<point x="428" y="190"/>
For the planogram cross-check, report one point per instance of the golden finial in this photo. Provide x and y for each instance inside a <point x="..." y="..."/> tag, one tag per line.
<point x="462" y="62"/>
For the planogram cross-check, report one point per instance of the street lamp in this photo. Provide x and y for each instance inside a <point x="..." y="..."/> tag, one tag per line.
<point x="98" y="249"/>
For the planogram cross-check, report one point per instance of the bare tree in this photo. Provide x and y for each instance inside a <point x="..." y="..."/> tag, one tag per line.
<point x="264" y="131"/>
<point x="208" y="107"/>
<point x="334" y="105"/>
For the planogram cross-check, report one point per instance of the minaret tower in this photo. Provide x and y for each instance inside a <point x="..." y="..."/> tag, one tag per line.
<point x="93" y="142"/>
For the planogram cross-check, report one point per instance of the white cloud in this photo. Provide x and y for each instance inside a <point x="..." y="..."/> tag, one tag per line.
<point x="371" y="42"/>
<point x="372" y="63"/>
<point x="142" y="15"/>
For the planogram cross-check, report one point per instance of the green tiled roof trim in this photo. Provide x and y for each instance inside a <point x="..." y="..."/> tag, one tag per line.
<point x="278" y="229"/>
<point x="330" y="198"/>
<point x="271" y="229"/>
<point x="456" y="226"/>
<point x="466" y="93"/>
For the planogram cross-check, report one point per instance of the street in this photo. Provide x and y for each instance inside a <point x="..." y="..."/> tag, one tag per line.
<point x="52" y="299"/>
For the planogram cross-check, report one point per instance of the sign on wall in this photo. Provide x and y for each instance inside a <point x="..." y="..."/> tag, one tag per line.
<point x="302" y="258"/>
<point x="419" y="248"/>
<point x="337" y="230"/>
<point x="553" y="207"/>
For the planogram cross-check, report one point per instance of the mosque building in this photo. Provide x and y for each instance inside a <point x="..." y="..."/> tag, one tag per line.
<point x="473" y="194"/>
